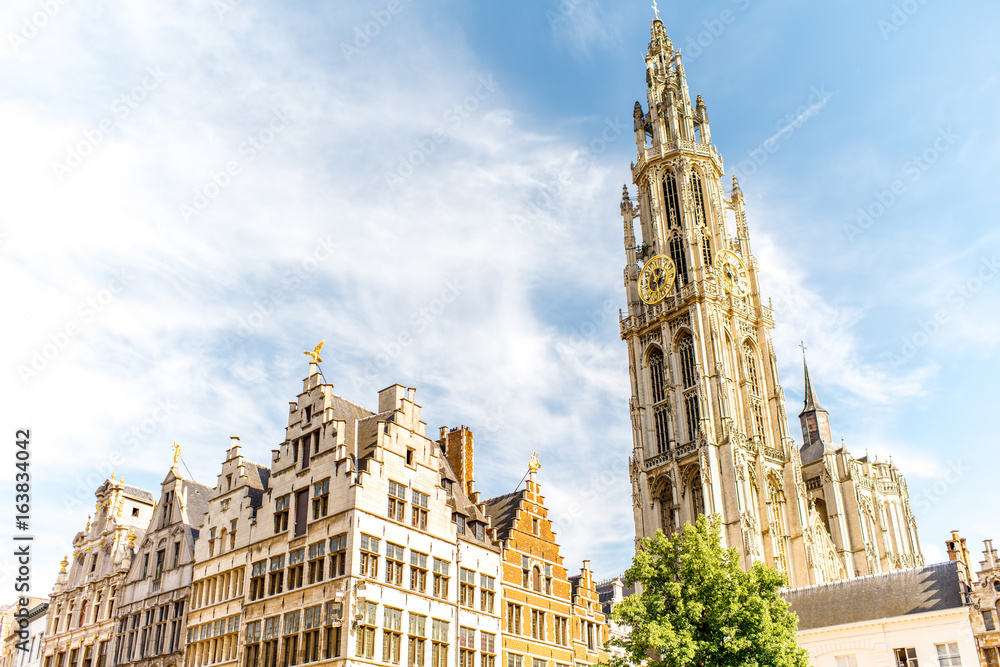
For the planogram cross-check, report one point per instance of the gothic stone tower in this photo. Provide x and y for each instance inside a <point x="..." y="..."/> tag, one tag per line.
<point x="708" y="415"/>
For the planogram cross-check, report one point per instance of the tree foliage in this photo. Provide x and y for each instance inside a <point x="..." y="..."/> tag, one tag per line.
<point x="698" y="607"/>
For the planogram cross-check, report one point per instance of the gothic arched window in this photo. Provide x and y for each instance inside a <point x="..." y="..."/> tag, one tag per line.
<point x="661" y="418"/>
<point x="672" y="201"/>
<point x="656" y="374"/>
<point x="667" y="523"/>
<point x="685" y="350"/>
<point x="697" y="496"/>
<point x="706" y="251"/>
<point x="699" y="198"/>
<point x="750" y="365"/>
<point x="679" y="255"/>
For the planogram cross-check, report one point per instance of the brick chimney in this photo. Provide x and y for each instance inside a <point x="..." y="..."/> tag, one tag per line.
<point x="457" y="444"/>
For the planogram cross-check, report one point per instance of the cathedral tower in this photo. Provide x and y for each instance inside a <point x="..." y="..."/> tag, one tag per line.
<point x="708" y="414"/>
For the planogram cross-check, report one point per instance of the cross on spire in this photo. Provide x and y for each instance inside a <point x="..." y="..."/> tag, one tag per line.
<point x="656" y="12"/>
<point x="802" y="344"/>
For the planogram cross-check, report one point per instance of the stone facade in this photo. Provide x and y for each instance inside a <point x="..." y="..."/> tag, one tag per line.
<point x="363" y="542"/>
<point x="154" y="596"/>
<point x="863" y="505"/>
<point x="82" y="608"/>
<point x="222" y="562"/>
<point x="364" y="548"/>
<point x="710" y="430"/>
<point x="983" y="596"/>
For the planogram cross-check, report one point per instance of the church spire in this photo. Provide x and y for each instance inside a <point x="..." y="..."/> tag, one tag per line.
<point x="815" y="421"/>
<point x="811" y="402"/>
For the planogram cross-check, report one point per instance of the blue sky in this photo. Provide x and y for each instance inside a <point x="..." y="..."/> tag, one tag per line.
<point x="194" y="194"/>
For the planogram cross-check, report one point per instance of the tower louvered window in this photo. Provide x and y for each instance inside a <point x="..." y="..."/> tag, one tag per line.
<point x="706" y="251"/>
<point x="667" y="510"/>
<point x="699" y="199"/>
<point x="661" y="419"/>
<point x="685" y="350"/>
<point x="656" y="375"/>
<point x="672" y="201"/>
<point x="697" y="495"/>
<point x="679" y="255"/>
<point x="693" y="413"/>
<point x="756" y="397"/>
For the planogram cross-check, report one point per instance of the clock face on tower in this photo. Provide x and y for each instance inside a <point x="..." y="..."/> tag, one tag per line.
<point x="732" y="272"/>
<point x="656" y="278"/>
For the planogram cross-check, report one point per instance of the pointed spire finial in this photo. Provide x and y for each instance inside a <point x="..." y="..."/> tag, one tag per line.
<point x="811" y="401"/>
<point x="736" y="185"/>
<point x="656" y="12"/>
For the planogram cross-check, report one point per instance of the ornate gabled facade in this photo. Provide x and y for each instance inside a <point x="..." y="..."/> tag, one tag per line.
<point x="154" y="595"/>
<point x="551" y="619"/>
<point x="710" y="431"/>
<point x="222" y="563"/>
<point x="863" y="505"/>
<point x="366" y="549"/>
<point x="82" y="607"/>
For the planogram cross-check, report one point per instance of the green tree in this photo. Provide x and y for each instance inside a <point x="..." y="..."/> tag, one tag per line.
<point x="698" y="607"/>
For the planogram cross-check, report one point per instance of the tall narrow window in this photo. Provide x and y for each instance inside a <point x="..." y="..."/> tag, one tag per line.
<point x="699" y="198"/>
<point x="706" y="251"/>
<point x="697" y="495"/>
<point x="660" y="414"/>
<point x="685" y="350"/>
<point x="656" y="375"/>
<point x="672" y="201"/>
<point x="667" y="510"/>
<point x="301" y="511"/>
<point x="662" y="424"/>
<point x="679" y="254"/>
<point x="692" y="410"/>
<point x="750" y="365"/>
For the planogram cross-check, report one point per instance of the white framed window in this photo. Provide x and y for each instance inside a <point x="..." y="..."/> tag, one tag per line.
<point x="947" y="654"/>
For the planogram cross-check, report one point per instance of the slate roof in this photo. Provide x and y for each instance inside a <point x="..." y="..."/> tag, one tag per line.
<point x="197" y="502"/>
<point x="912" y="591"/>
<point x="503" y="512"/>
<point x="137" y="493"/>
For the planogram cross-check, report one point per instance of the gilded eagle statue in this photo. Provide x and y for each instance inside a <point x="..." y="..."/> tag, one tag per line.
<point x="315" y="353"/>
